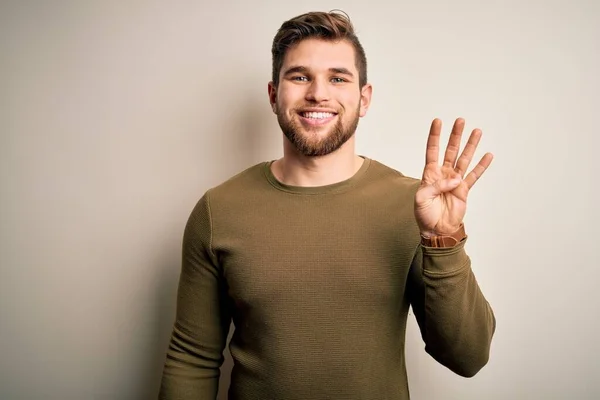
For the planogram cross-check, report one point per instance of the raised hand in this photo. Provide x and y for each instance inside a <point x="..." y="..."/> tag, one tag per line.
<point x="441" y="201"/>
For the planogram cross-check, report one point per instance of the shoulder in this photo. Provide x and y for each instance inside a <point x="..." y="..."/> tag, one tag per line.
<point x="234" y="192"/>
<point x="242" y="181"/>
<point x="390" y="179"/>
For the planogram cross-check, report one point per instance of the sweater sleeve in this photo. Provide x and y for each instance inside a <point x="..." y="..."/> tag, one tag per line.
<point x="455" y="320"/>
<point x="195" y="353"/>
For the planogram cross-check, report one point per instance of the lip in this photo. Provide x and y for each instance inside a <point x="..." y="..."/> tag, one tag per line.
<point x="316" y="122"/>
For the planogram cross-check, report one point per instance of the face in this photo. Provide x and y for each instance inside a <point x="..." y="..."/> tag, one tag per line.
<point x="318" y="101"/>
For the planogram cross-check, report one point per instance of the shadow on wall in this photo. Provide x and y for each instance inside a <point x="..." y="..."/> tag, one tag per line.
<point x="163" y="308"/>
<point x="254" y="132"/>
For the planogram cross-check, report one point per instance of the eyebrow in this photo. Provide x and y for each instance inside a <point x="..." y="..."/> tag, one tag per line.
<point x="302" y="69"/>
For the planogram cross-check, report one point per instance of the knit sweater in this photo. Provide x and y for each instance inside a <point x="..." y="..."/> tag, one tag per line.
<point x="318" y="282"/>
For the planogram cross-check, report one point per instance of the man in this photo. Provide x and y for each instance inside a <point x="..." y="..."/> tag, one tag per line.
<point x="317" y="256"/>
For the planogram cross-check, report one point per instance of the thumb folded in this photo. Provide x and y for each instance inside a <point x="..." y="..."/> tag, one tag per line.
<point x="445" y="185"/>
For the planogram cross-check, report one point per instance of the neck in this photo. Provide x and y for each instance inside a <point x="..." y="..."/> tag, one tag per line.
<point x="295" y="169"/>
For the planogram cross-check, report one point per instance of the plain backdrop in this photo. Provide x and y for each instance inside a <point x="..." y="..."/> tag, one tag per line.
<point x="116" y="116"/>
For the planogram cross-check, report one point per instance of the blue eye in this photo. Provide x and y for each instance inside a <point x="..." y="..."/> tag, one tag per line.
<point x="338" y="80"/>
<point x="299" y="78"/>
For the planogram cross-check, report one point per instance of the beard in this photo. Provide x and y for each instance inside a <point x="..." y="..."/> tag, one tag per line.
<point x="308" y="143"/>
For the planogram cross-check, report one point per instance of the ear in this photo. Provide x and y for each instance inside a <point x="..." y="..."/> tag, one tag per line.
<point x="365" y="98"/>
<point x="273" y="96"/>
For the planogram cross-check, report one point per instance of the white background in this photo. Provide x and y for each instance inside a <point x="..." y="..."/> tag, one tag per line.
<point x="116" y="116"/>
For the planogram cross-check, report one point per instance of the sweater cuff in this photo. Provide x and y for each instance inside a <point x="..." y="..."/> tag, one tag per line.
<point x="442" y="260"/>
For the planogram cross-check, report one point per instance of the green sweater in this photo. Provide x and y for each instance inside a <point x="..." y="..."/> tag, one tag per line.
<point x="318" y="282"/>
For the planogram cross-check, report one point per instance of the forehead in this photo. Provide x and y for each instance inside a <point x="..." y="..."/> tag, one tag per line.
<point x="317" y="54"/>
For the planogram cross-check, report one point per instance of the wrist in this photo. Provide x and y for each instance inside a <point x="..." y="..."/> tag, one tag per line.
<point x="434" y="239"/>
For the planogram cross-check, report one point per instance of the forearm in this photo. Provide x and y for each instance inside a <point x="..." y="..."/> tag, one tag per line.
<point x="190" y="372"/>
<point x="459" y="322"/>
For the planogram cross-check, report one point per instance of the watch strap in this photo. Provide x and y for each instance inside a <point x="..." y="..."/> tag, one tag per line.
<point x="450" y="240"/>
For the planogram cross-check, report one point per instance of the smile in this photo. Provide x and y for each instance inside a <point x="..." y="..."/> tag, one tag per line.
<point x="316" y="118"/>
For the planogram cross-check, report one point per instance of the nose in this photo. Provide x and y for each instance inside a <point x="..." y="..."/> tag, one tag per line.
<point x="318" y="91"/>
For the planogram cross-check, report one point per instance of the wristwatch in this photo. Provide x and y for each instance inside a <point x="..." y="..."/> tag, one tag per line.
<point x="445" y="240"/>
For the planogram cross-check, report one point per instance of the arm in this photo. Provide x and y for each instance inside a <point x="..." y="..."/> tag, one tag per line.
<point x="195" y="353"/>
<point x="455" y="320"/>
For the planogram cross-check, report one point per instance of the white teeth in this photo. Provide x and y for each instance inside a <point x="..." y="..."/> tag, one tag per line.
<point x="317" y="115"/>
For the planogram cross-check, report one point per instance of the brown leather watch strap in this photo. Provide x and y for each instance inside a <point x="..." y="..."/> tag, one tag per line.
<point x="445" y="240"/>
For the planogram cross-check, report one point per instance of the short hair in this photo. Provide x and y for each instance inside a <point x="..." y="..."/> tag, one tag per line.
<point x="332" y="26"/>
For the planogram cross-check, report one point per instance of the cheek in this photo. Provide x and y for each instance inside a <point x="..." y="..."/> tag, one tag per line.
<point x="288" y="96"/>
<point x="350" y="98"/>
<point x="351" y="103"/>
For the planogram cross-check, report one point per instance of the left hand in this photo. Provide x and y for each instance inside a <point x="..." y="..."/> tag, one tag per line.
<point x="441" y="200"/>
